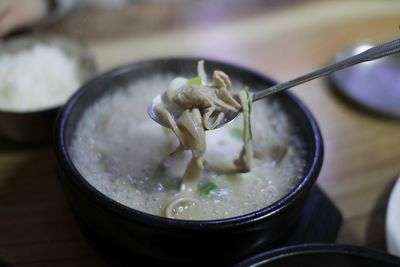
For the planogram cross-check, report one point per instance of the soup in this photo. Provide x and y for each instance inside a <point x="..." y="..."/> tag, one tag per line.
<point x="126" y="156"/>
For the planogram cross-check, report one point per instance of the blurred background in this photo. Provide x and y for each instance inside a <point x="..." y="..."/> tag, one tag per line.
<point x="282" y="39"/>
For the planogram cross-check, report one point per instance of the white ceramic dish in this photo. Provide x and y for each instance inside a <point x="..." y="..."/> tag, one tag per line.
<point x="393" y="221"/>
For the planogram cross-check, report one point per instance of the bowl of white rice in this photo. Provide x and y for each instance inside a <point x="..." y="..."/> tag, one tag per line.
<point x="38" y="73"/>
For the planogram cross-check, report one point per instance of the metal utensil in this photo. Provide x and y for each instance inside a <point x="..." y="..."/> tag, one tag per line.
<point x="373" y="53"/>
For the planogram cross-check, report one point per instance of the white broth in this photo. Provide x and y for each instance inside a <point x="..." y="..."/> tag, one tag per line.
<point x="125" y="155"/>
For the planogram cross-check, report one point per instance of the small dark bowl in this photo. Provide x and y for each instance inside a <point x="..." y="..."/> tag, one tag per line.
<point x="327" y="255"/>
<point x="35" y="126"/>
<point x="179" y="241"/>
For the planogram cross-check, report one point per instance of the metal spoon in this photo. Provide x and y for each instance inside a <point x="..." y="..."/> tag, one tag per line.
<point x="373" y="53"/>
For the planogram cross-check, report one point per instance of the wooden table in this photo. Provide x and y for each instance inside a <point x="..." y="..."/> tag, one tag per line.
<point x="282" y="40"/>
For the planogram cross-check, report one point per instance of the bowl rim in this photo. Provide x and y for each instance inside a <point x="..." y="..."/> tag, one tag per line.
<point x="318" y="248"/>
<point x="66" y="164"/>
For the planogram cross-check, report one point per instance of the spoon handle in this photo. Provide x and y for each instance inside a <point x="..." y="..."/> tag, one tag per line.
<point x="373" y="53"/>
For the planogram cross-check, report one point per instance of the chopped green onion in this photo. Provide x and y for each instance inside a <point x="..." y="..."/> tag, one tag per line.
<point x="171" y="183"/>
<point x="237" y="133"/>
<point x="160" y="170"/>
<point x="206" y="187"/>
<point x="167" y="130"/>
<point x="249" y="107"/>
<point x="202" y="72"/>
<point x="194" y="81"/>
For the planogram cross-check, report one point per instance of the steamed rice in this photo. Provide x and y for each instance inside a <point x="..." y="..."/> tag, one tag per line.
<point x="37" y="78"/>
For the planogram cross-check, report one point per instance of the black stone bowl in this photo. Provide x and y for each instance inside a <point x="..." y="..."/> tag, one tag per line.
<point x="179" y="241"/>
<point x="317" y="255"/>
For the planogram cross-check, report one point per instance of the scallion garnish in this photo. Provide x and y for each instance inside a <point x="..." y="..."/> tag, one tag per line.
<point x="206" y="187"/>
<point x="194" y="81"/>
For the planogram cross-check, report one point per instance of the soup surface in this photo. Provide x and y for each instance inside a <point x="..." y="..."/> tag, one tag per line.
<point x="126" y="156"/>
